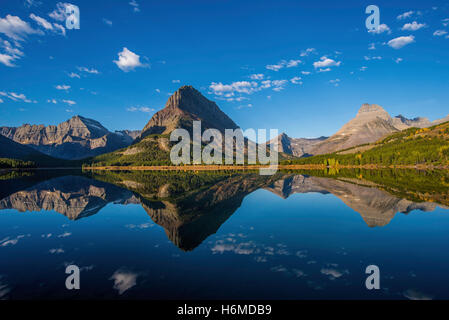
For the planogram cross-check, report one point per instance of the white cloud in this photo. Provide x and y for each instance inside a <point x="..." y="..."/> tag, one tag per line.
<point x="74" y="75"/>
<point x="279" y="84"/>
<point x="141" y="109"/>
<point x="372" y="46"/>
<point x="381" y="29"/>
<point x="62" y="87"/>
<point x="307" y="52"/>
<point x="69" y="102"/>
<point x="176" y="81"/>
<point x="52" y="101"/>
<point x="42" y="22"/>
<point x="413" y="26"/>
<point x="283" y="64"/>
<point x="373" y="58"/>
<point x="258" y="76"/>
<point x="84" y="69"/>
<point x="32" y="3"/>
<point x="60" y="28"/>
<point x="296" y="80"/>
<point x="363" y="68"/>
<point x="1" y="100"/>
<point x="335" y="82"/>
<point x="439" y="33"/>
<point x="135" y="5"/>
<point x="235" y="87"/>
<point x="325" y="62"/>
<point x="400" y="42"/>
<point x="128" y="60"/>
<point x="7" y="60"/>
<point x="445" y="22"/>
<point x="405" y="15"/>
<point x="305" y="72"/>
<point x="15" y="28"/>
<point x="123" y="280"/>
<point x="293" y="63"/>
<point x="108" y="22"/>
<point x="16" y="97"/>
<point x="157" y="90"/>
<point x="324" y="70"/>
<point x="274" y="67"/>
<point x="397" y="60"/>
<point x="59" y="13"/>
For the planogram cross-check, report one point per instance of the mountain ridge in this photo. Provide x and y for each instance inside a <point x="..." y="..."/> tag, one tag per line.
<point x="73" y="139"/>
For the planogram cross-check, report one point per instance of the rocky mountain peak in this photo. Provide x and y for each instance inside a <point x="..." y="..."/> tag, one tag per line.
<point x="371" y="111"/>
<point x="184" y="106"/>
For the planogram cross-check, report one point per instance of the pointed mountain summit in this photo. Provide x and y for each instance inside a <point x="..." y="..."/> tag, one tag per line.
<point x="371" y="123"/>
<point x="75" y="138"/>
<point x="184" y="106"/>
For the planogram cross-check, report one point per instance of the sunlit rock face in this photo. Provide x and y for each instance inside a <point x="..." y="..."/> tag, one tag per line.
<point x="184" y="106"/>
<point x="76" y="138"/>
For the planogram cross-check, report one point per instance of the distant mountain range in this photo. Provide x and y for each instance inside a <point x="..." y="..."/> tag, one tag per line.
<point x="76" y="138"/>
<point x="371" y="123"/>
<point x="80" y="138"/>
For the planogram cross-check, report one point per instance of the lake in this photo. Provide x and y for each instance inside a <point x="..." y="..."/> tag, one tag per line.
<point x="224" y="235"/>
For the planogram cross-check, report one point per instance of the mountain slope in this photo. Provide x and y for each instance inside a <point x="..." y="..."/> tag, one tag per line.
<point x="13" y="150"/>
<point x="76" y="138"/>
<point x="153" y="146"/>
<point x="371" y="123"/>
<point x="413" y="146"/>
<point x="184" y="106"/>
<point x="297" y="147"/>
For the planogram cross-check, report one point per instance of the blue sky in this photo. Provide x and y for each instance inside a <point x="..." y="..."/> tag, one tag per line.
<point x="302" y="67"/>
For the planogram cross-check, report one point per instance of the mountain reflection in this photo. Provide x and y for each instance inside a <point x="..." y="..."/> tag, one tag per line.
<point x="190" y="207"/>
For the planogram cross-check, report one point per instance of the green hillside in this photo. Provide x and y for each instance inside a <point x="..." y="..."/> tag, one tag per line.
<point x="152" y="150"/>
<point x="414" y="146"/>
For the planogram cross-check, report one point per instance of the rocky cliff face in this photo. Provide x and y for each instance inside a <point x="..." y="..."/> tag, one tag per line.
<point x="184" y="106"/>
<point x="132" y="134"/>
<point x="297" y="147"/>
<point x="76" y="138"/>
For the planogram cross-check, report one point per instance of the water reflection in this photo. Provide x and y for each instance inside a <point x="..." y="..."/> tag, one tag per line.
<point x="190" y="207"/>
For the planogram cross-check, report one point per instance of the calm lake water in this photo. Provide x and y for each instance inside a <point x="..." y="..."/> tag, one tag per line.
<point x="144" y="235"/>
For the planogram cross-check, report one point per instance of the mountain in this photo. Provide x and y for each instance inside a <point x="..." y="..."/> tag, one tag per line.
<point x="401" y="122"/>
<point x="13" y="150"/>
<point x="76" y="138"/>
<point x="152" y="146"/>
<point x="186" y="105"/>
<point x="133" y="134"/>
<point x="412" y="147"/>
<point x="297" y="147"/>
<point x="371" y="123"/>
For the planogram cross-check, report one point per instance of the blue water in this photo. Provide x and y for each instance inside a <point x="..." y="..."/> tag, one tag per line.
<point x="307" y="246"/>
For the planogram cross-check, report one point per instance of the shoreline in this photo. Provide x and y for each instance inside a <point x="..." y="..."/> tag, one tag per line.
<point x="233" y="167"/>
<point x="256" y="167"/>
